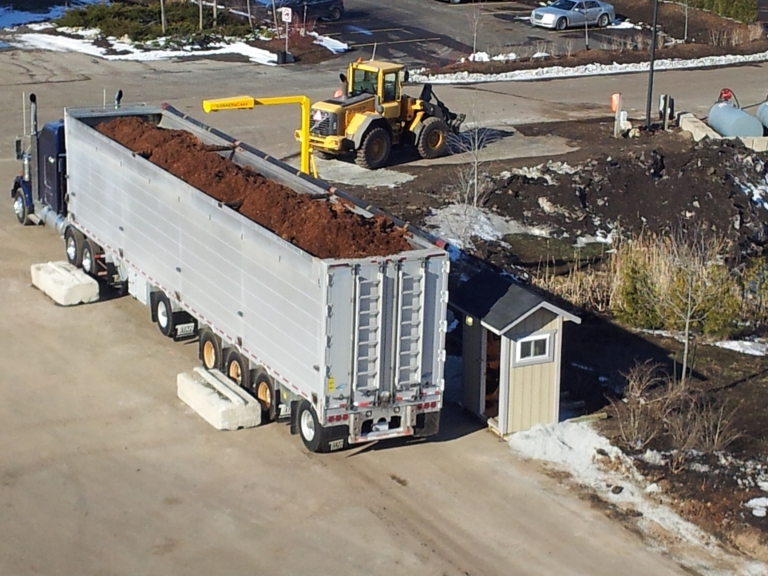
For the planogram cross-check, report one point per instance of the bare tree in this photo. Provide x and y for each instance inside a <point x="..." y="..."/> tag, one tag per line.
<point x="475" y="18"/>
<point x="689" y="283"/>
<point x="636" y="412"/>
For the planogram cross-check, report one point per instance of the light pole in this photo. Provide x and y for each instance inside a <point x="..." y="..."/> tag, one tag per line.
<point x="650" y="72"/>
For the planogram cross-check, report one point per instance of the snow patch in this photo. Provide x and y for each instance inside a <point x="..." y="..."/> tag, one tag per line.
<point x="459" y="223"/>
<point x="333" y="45"/>
<point x="352" y="174"/>
<point x="585" y="70"/>
<point x="744" y="346"/>
<point x="590" y="459"/>
<point x="758" y="506"/>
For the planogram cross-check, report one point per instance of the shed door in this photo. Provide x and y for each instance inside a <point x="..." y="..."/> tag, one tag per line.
<point x="473" y="355"/>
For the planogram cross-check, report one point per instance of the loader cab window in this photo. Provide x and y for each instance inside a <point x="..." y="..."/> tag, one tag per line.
<point x="363" y="82"/>
<point x="391" y="88"/>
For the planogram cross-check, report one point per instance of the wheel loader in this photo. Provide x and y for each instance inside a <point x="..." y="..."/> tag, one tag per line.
<point x="371" y="114"/>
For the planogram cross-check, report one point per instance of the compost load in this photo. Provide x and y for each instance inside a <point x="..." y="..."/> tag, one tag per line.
<point x="324" y="229"/>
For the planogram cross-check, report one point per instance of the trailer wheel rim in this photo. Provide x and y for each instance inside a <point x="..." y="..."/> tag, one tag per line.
<point x="162" y="311"/>
<point x="18" y="206"/>
<point x="264" y="395"/>
<point x="88" y="262"/>
<point x="307" y="426"/>
<point x="209" y="354"/>
<point x="71" y="248"/>
<point x="235" y="373"/>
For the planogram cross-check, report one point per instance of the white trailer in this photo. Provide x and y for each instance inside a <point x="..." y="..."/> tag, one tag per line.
<point x="352" y="350"/>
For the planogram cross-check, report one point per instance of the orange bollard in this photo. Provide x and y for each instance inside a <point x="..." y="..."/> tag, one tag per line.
<point x="615" y="102"/>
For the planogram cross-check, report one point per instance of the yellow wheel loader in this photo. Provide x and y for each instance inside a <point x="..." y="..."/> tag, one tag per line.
<point x="371" y="114"/>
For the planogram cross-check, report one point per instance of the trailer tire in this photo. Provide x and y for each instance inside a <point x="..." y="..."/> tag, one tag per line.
<point x="163" y="314"/>
<point x="375" y="149"/>
<point x="236" y="368"/>
<point x="263" y="389"/>
<point x="88" y="258"/>
<point x="310" y="430"/>
<point x="210" y="350"/>
<point x="433" y="139"/>
<point x="73" y="246"/>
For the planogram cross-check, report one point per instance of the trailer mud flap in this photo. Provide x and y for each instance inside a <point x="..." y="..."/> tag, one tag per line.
<point x="427" y="424"/>
<point x="294" y="417"/>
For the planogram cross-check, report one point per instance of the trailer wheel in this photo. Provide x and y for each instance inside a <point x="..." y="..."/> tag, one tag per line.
<point x="20" y="207"/>
<point x="374" y="151"/>
<point x="210" y="350"/>
<point x="433" y="140"/>
<point x="163" y="313"/>
<point x="310" y="430"/>
<point x="88" y="258"/>
<point x="73" y="245"/>
<point x="236" y="369"/>
<point x="263" y="389"/>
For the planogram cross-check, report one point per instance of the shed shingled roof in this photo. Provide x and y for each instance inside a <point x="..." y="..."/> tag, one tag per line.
<point x="500" y="302"/>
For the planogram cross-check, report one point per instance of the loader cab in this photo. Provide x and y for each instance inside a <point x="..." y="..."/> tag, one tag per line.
<point x="382" y="79"/>
<point x="51" y="167"/>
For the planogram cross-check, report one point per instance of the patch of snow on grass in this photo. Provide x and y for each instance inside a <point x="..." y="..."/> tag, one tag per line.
<point x="591" y="460"/>
<point x="758" y="506"/>
<point x="623" y="25"/>
<point x="744" y="346"/>
<point x="129" y="52"/>
<point x="458" y="223"/>
<point x="331" y="44"/>
<point x="586" y="70"/>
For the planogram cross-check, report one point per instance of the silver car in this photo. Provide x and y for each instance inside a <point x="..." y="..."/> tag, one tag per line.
<point x="562" y="14"/>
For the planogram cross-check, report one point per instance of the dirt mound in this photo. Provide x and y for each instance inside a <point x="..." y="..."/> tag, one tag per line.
<point x="322" y="228"/>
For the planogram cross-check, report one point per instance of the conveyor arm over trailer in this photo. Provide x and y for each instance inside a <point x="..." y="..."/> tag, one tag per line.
<point x="351" y="349"/>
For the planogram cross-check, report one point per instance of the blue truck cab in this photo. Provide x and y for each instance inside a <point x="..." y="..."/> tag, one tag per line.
<point x="39" y="193"/>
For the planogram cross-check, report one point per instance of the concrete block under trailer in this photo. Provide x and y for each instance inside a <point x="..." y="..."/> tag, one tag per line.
<point x="351" y="349"/>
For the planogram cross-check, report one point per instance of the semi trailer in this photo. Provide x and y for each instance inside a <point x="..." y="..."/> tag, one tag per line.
<point x="349" y="350"/>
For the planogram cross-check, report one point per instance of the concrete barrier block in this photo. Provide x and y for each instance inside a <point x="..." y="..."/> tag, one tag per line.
<point x="758" y="144"/>
<point x="698" y="129"/>
<point x="221" y="403"/>
<point x="64" y="284"/>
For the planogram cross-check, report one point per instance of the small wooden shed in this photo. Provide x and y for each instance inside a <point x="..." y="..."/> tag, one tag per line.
<point x="511" y="349"/>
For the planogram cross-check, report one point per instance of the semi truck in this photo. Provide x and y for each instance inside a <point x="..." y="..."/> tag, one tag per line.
<point x="347" y="350"/>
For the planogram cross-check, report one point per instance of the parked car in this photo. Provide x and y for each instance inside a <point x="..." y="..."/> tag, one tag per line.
<point x="325" y="9"/>
<point x="562" y="14"/>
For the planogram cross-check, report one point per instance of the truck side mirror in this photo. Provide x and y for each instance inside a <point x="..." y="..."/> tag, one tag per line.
<point x="19" y="151"/>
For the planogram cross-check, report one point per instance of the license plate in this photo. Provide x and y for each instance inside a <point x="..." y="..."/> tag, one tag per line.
<point x="183" y="330"/>
<point x="335" y="445"/>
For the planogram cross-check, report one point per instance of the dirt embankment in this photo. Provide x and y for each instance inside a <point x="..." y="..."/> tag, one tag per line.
<point x="318" y="226"/>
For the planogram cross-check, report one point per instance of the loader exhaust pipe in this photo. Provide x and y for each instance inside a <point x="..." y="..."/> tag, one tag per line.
<point x="33" y="113"/>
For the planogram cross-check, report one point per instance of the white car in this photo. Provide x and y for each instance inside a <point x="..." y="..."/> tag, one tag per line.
<point x="563" y="14"/>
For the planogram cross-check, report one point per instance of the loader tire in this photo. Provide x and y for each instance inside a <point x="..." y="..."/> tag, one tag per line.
<point x="433" y="140"/>
<point x="375" y="149"/>
<point x="73" y="246"/>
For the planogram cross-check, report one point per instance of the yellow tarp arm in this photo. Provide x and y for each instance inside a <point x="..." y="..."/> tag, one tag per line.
<point x="249" y="102"/>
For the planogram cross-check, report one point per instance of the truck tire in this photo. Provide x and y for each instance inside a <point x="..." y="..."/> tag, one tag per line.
<point x="310" y="430"/>
<point x="73" y="245"/>
<point x="20" y="207"/>
<point x="263" y="389"/>
<point x="88" y="258"/>
<point x="374" y="151"/>
<point x="433" y="139"/>
<point x="163" y="313"/>
<point x="209" y="350"/>
<point x="236" y="368"/>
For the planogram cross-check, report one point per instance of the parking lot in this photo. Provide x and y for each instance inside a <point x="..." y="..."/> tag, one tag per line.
<point x="431" y="32"/>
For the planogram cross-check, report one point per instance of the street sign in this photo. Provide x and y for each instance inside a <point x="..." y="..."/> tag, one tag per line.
<point x="287" y="15"/>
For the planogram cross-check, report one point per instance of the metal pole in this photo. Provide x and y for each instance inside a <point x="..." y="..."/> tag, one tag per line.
<point x="685" y="35"/>
<point x="586" y="30"/>
<point x="650" y="71"/>
<point x="162" y="15"/>
<point x="200" y="4"/>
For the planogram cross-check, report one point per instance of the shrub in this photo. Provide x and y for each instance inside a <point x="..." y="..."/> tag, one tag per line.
<point x="742" y="10"/>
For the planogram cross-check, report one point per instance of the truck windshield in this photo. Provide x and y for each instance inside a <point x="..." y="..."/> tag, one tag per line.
<point x="363" y="82"/>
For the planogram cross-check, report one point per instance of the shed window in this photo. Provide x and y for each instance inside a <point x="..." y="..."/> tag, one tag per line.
<point x="534" y="349"/>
